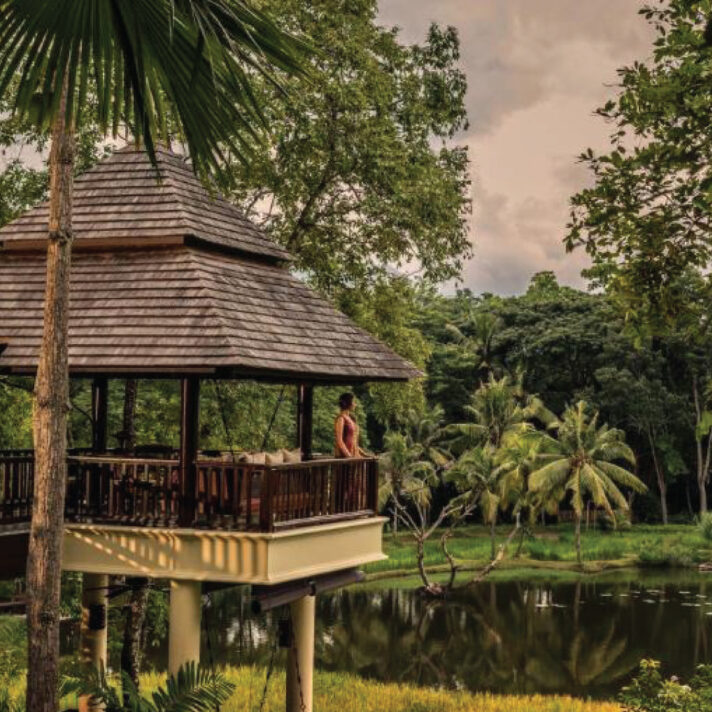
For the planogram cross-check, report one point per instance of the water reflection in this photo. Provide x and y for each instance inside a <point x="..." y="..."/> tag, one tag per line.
<point x="585" y="638"/>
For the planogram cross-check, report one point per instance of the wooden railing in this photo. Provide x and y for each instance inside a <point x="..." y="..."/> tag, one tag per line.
<point x="228" y="496"/>
<point x="17" y="469"/>
<point x="140" y="492"/>
<point x="322" y="490"/>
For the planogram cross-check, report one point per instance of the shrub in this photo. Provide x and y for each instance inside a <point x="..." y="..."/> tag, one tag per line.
<point x="706" y="526"/>
<point x="650" y="692"/>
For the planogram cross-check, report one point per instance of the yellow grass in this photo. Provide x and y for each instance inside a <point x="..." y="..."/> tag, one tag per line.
<point x="338" y="692"/>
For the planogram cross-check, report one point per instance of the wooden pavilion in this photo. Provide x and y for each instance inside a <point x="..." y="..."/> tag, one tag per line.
<point x="171" y="282"/>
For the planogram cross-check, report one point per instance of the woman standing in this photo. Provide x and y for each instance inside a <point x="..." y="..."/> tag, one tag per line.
<point x="346" y="428"/>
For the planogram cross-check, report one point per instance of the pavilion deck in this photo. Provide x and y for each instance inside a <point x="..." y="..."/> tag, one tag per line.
<point x="229" y="496"/>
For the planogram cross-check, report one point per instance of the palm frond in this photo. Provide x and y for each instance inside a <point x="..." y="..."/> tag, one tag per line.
<point x="621" y="476"/>
<point x="144" y="61"/>
<point x="551" y="476"/>
<point x="193" y="689"/>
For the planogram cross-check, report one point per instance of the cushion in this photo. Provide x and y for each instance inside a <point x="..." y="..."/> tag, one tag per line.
<point x="274" y="458"/>
<point x="292" y="456"/>
<point x="254" y="458"/>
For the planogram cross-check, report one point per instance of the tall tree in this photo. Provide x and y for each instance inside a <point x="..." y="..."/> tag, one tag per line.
<point x="646" y="219"/>
<point x="192" y="60"/>
<point x="361" y="174"/>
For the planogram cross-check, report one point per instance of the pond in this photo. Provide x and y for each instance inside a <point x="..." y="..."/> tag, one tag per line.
<point x="583" y="638"/>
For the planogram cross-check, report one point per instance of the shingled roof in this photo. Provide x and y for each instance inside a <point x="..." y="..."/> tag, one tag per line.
<point x="222" y="303"/>
<point x="125" y="198"/>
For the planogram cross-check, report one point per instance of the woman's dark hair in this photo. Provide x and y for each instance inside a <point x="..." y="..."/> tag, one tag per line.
<point x="346" y="400"/>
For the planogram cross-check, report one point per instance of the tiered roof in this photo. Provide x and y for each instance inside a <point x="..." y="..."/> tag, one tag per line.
<point x="167" y="279"/>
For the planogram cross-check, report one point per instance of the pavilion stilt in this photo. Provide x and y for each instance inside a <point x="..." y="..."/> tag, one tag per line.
<point x="184" y="624"/>
<point x="93" y="636"/>
<point x="300" y="661"/>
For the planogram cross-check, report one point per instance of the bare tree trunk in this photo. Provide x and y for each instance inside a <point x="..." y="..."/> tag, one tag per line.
<point x="51" y="408"/>
<point x="133" y="629"/>
<point x="703" y="459"/>
<point x="660" y="476"/>
<point x="420" y="552"/>
<point x="577" y="515"/>
<point x="450" y="558"/>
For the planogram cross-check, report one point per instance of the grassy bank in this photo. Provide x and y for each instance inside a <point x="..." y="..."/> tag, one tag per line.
<point x="551" y="550"/>
<point x="337" y="692"/>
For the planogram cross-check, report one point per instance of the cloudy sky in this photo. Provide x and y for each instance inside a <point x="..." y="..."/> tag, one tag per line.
<point x="536" y="70"/>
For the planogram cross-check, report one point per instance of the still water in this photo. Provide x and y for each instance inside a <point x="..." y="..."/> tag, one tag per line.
<point x="583" y="638"/>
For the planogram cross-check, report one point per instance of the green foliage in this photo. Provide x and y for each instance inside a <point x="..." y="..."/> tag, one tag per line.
<point x="645" y="221"/>
<point x="358" y="175"/>
<point x="706" y="525"/>
<point x="15" y="401"/>
<point x="385" y="309"/>
<point x="650" y="692"/>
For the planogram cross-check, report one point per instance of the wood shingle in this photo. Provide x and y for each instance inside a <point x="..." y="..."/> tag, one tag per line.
<point x="222" y="303"/>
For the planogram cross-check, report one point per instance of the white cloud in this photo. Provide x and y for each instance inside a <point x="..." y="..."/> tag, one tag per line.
<point x="536" y="71"/>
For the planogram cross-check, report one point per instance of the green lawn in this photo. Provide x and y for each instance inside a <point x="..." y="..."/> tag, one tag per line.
<point x="552" y="548"/>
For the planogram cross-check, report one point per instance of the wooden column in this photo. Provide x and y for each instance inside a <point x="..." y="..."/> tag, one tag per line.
<point x="305" y="419"/>
<point x="99" y="413"/>
<point x="189" y="437"/>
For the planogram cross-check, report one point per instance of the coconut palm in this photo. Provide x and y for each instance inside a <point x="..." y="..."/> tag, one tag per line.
<point x="580" y="462"/>
<point x="406" y="471"/>
<point x="147" y="65"/>
<point x="477" y="476"/>
<point x="498" y="408"/>
<point x="475" y="335"/>
<point x="426" y="429"/>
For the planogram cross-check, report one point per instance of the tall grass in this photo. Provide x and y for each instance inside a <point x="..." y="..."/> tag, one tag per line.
<point x="338" y="692"/>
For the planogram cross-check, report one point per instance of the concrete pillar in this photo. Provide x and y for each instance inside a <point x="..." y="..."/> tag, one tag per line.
<point x="300" y="659"/>
<point x="184" y="624"/>
<point x="93" y="632"/>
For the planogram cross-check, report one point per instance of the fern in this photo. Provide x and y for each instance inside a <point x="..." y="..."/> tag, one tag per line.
<point x="193" y="689"/>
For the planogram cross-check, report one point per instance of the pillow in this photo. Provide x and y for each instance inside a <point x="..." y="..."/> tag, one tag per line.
<point x="292" y="456"/>
<point x="254" y="458"/>
<point x="274" y="458"/>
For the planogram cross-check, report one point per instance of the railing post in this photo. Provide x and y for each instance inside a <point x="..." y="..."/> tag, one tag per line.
<point x="305" y="418"/>
<point x="189" y="428"/>
<point x="373" y="486"/>
<point x="266" y="500"/>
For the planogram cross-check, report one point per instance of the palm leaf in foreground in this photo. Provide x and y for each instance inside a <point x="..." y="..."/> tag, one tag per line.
<point x="192" y="689"/>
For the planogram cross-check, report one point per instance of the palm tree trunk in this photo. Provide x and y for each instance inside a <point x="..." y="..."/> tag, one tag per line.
<point x="51" y="408"/>
<point x="493" y="537"/>
<point x="577" y="515"/>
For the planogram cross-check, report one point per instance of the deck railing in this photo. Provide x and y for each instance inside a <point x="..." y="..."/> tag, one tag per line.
<point x="228" y="496"/>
